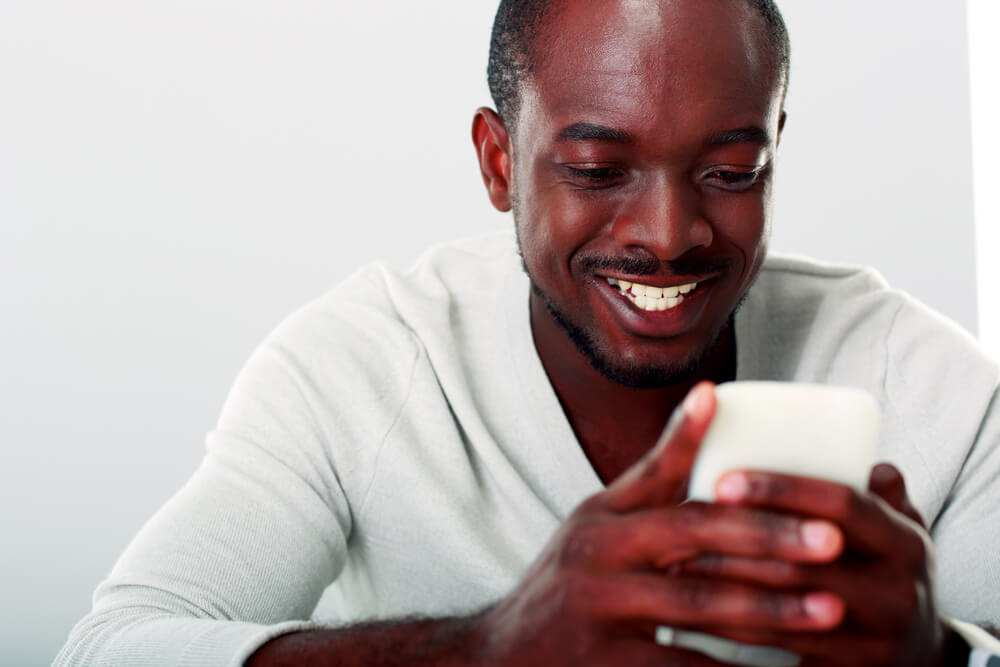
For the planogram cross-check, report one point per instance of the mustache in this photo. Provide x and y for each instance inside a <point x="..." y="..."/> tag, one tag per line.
<point x="644" y="265"/>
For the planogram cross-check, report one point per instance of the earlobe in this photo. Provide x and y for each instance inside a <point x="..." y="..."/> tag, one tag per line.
<point x="492" y="143"/>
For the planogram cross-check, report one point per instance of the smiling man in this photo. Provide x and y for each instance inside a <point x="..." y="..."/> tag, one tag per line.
<point x="639" y="171"/>
<point x="467" y="457"/>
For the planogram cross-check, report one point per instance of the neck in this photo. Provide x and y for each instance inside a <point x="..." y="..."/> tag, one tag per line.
<point x="615" y="424"/>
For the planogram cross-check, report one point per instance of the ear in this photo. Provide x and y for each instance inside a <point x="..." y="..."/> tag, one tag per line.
<point x="781" y="125"/>
<point x="492" y="144"/>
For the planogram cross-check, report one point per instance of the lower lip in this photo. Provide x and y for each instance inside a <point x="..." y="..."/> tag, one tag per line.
<point x="656" y="323"/>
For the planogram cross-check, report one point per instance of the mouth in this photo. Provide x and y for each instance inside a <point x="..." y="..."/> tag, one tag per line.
<point x="652" y="298"/>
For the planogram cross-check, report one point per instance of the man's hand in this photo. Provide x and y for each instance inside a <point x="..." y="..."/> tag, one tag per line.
<point x="613" y="572"/>
<point x="883" y="577"/>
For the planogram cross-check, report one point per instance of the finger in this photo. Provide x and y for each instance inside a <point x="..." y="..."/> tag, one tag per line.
<point x="661" y="537"/>
<point x="661" y="476"/>
<point x="887" y="482"/>
<point x="868" y="523"/>
<point x="772" y="572"/>
<point x="692" y="601"/>
<point x="878" y="598"/>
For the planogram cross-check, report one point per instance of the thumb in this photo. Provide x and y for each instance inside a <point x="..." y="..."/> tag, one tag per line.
<point x="886" y="481"/>
<point x="661" y="476"/>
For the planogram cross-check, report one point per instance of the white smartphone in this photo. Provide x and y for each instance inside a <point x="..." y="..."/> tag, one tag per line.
<point x="809" y="430"/>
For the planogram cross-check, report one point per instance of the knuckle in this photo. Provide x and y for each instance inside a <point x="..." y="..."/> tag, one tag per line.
<point x="695" y="595"/>
<point x="844" y="503"/>
<point x="581" y="542"/>
<point x="787" y="573"/>
<point x="573" y="585"/>
<point x="710" y="565"/>
<point x="770" y="486"/>
<point x="590" y="505"/>
<point x="775" y="606"/>
<point x="571" y="590"/>
<point x="772" y="531"/>
<point x="688" y="519"/>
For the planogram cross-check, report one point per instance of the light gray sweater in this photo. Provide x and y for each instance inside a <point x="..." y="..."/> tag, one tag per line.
<point x="397" y="444"/>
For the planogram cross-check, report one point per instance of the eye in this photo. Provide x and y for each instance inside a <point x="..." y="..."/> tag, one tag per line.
<point x="736" y="179"/>
<point x="594" y="176"/>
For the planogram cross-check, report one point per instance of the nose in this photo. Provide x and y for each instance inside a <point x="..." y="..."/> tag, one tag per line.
<point x="665" y="219"/>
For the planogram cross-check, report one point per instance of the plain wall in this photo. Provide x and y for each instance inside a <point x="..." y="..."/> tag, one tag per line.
<point x="983" y="19"/>
<point x="176" y="177"/>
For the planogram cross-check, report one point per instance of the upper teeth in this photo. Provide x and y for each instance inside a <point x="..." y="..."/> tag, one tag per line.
<point x="650" y="297"/>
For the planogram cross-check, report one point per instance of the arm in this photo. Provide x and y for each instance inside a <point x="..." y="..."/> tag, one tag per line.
<point x="606" y="580"/>
<point x="441" y="641"/>
<point x="207" y="579"/>
<point x="250" y="544"/>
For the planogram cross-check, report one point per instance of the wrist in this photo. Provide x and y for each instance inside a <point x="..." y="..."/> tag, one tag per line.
<point x="443" y="642"/>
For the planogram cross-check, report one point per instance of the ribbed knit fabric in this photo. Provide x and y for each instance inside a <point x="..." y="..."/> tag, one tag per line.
<point x="396" y="444"/>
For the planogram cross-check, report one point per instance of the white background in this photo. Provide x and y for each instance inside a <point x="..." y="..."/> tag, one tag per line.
<point x="175" y="177"/>
<point x="984" y="18"/>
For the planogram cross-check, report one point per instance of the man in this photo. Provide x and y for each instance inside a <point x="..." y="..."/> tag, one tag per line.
<point x="474" y="459"/>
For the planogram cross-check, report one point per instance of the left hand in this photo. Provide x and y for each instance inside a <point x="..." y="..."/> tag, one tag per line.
<point x="883" y="575"/>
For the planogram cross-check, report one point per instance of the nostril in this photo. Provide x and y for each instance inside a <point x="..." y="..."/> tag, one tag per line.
<point x="703" y="233"/>
<point x="666" y="237"/>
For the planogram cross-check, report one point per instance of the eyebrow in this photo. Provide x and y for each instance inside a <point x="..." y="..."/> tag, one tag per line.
<point x="744" y="135"/>
<point x="594" y="132"/>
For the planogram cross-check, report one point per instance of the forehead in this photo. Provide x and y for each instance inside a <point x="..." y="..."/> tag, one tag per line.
<point x="644" y="64"/>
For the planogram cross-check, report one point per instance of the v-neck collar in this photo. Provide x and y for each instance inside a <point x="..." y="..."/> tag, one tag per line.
<point x="562" y="458"/>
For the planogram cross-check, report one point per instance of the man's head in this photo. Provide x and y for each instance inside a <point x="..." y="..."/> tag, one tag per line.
<point x="634" y="144"/>
<point x="513" y="48"/>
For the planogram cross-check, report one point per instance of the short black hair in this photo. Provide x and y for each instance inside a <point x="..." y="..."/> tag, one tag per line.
<point x="518" y="22"/>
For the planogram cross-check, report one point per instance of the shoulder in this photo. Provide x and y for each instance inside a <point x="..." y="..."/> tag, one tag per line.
<point x="339" y="371"/>
<point x="813" y="321"/>
<point x="376" y="314"/>
<point x="798" y="280"/>
<point x="853" y="308"/>
<point x="836" y="324"/>
<point x="823" y="296"/>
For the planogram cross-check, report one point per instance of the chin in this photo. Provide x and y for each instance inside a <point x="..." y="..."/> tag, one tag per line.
<point x="635" y="371"/>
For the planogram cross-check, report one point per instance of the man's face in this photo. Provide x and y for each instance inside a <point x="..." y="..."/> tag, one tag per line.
<point x="642" y="155"/>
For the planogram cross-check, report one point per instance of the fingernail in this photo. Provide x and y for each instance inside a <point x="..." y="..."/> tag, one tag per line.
<point x="695" y="400"/>
<point x="819" y="536"/>
<point x="732" y="486"/>
<point x="821" y="606"/>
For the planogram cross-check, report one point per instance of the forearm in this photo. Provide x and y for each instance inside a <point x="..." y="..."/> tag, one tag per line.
<point x="442" y="641"/>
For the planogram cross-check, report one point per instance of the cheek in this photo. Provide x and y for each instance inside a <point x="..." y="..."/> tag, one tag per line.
<point x="742" y="222"/>
<point x="557" y="223"/>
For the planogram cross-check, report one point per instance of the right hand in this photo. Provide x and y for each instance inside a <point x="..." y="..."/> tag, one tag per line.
<point x="612" y="573"/>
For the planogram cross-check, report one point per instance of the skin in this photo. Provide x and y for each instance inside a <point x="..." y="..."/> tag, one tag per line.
<point x="654" y="72"/>
<point x="665" y="196"/>
<point x="841" y="577"/>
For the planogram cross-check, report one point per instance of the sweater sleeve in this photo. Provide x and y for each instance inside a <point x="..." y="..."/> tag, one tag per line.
<point x="243" y="552"/>
<point x="949" y="386"/>
<point x="966" y="531"/>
